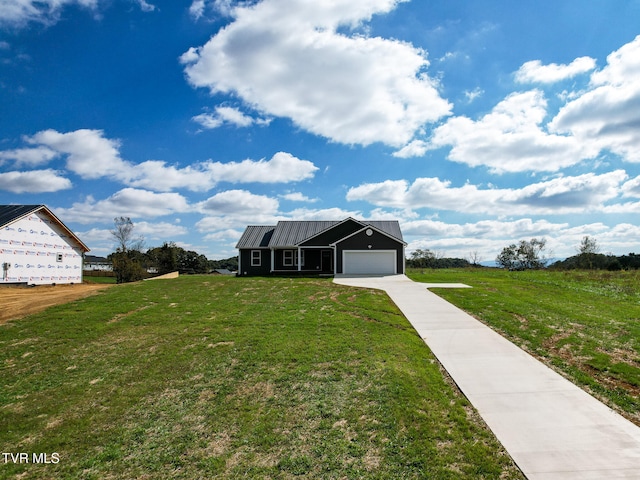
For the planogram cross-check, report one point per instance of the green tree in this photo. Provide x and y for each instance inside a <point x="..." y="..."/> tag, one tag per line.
<point x="525" y="255"/>
<point x="126" y="267"/>
<point x="127" y="259"/>
<point x="422" y="258"/>
<point x="165" y="258"/>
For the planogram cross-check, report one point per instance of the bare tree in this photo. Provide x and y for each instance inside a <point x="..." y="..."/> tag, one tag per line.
<point x="475" y="258"/>
<point x="588" y="245"/>
<point x="123" y="233"/>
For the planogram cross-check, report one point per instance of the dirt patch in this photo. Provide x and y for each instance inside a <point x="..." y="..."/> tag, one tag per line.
<point x="18" y="302"/>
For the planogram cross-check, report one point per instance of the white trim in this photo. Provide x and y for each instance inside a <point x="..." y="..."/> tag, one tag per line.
<point x="259" y="264"/>
<point x="288" y="262"/>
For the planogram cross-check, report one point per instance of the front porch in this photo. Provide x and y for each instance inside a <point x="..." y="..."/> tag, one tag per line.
<point x="307" y="260"/>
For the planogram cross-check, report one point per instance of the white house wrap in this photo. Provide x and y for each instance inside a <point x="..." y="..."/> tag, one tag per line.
<point x="36" y="248"/>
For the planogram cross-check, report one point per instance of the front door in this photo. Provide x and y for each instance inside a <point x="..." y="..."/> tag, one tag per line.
<point x="326" y="259"/>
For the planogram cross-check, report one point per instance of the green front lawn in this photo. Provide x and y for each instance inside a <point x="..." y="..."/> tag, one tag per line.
<point x="218" y="377"/>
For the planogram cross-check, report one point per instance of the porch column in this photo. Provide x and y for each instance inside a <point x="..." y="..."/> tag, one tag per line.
<point x="299" y="259"/>
<point x="273" y="259"/>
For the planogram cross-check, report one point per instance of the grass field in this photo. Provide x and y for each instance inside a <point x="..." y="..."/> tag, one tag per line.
<point x="218" y="377"/>
<point x="585" y="325"/>
<point x="92" y="279"/>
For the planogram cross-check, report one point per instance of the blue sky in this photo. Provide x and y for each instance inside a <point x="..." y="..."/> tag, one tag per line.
<point x="474" y="123"/>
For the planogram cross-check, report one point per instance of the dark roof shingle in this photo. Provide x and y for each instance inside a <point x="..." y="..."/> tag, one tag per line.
<point x="10" y="213"/>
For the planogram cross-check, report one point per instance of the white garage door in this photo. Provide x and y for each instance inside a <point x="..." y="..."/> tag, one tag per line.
<point x="372" y="262"/>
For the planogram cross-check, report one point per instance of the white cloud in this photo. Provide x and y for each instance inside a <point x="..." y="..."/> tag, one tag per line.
<point x="234" y="211"/>
<point x="160" y="230"/>
<point x="510" y="138"/>
<point x="535" y="72"/>
<point x="128" y="202"/>
<point x="34" y="181"/>
<point x="281" y="168"/>
<point x="91" y="155"/>
<point x="632" y="188"/>
<point x="239" y="202"/>
<point x="515" y="135"/>
<point x="608" y="115"/>
<point x="29" y="156"/>
<point x="157" y="175"/>
<point x="101" y="240"/>
<point x="145" y="6"/>
<point x="196" y="10"/>
<point x="227" y="234"/>
<point x="322" y="214"/>
<point x="416" y="148"/>
<point x="562" y="195"/>
<point x="488" y="238"/>
<point x="222" y="7"/>
<point x="298" y="197"/>
<point x="21" y="12"/>
<point x="471" y="95"/>
<point x="350" y="89"/>
<point x="520" y="228"/>
<point x="228" y="115"/>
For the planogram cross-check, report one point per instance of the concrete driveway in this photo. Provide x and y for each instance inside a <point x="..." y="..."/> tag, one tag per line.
<point x="550" y="427"/>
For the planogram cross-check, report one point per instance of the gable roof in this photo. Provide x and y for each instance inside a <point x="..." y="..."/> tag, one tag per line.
<point x="290" y="233"/>
<point x="12" y="213"/>
<point x="256" y="236"/>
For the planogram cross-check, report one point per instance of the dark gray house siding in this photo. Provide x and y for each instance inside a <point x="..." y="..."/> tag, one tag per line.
<point x="334" y="233"/>
<point x="254" y="255"/>
<point x="248" y="264"/>
<point x="377" y="241"/>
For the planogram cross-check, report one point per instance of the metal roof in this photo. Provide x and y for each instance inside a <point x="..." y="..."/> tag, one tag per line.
<point x="256" y="236"/>
<point x="12" y="213"/>
<point x="291" y="233"/>
<point x="390" y="227"/>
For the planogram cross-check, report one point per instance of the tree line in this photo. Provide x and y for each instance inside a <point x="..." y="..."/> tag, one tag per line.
<point x="131" y="262"/>
<point x="531" y="255"/>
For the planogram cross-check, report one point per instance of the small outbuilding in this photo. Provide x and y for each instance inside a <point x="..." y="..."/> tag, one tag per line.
<point x="349" y="246"/>
<point x="36" y="248"/>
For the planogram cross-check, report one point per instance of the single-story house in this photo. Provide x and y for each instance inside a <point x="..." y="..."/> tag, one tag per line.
<point x="36" y="248"/>
<point x="349" y="246"/>
<point x="100" y="264"/>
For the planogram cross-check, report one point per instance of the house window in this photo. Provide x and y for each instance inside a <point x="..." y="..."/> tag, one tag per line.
<point x="58" y="257"/>
<point x="256" y="258"/>
<point x="287" y="258"/>
<point x="290" y="258"/>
